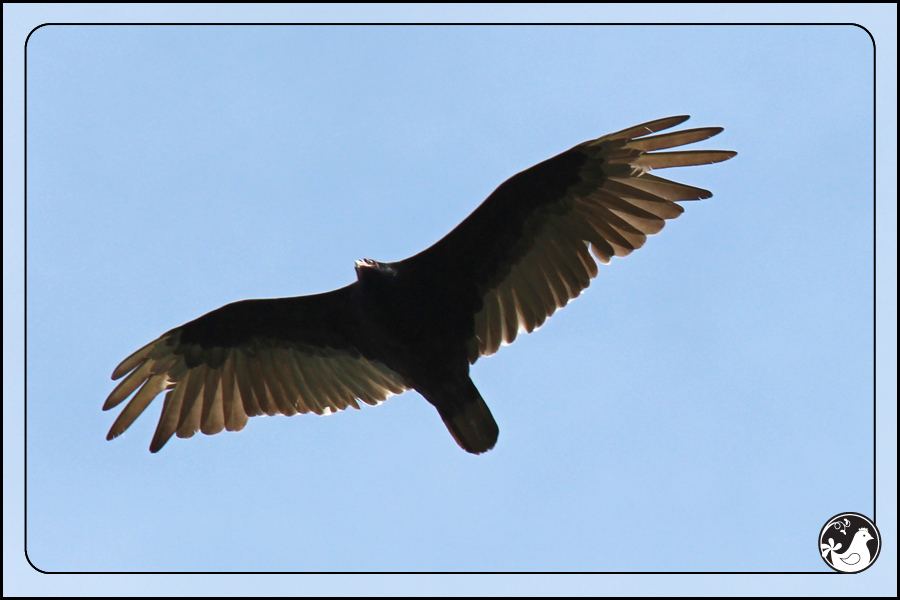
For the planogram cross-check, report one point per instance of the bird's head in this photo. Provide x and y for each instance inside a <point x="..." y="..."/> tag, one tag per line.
<point x="366" y="267"/>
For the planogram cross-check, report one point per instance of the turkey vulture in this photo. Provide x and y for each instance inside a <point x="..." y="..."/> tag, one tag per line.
<point x="419" y="323"/>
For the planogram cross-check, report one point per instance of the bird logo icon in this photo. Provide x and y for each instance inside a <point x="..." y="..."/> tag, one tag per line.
<point x="863" y="549"/>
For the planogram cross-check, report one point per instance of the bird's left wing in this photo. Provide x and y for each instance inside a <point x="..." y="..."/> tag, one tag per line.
<point x="524" y="252"/>
<point x="254" y="357"/>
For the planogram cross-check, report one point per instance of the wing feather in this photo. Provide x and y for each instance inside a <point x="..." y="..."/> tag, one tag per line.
<point x="554" y="280"/>
<point x="512" y="325"/>
<point x="168" y="421"/>
<point x="493" y="326"/>
<point x="192" y="407"/>
<point x="645" y="128"/>
<point x="282" y="359"/>
<point x="687" y="158"/>
<point x="242" y="375"/>
<point x="667" y="190"/>
<point x="212" y="417"/>
<point x="235" y="417"/>
<point x="304" y="400"/>
<point x="673" y="139"/>
<point x="261" y="391"/>
<point x="527" y="319"/>
<point x="539" y="298"/>
<point x="192" y="395"/>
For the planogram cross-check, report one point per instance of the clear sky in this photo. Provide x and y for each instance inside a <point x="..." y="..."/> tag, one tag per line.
<point x="706" y="405"/>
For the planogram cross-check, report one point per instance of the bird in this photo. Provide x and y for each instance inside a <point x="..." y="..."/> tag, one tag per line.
<point x="855" y="558"/>
<point x="419" y="323"/>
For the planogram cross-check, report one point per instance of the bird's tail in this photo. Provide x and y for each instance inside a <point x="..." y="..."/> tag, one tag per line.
<point x="468" y="418"/>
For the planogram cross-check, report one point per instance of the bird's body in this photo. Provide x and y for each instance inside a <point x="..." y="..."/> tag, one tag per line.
<point x="419" y="323"/>
<point x="855" y="558"/>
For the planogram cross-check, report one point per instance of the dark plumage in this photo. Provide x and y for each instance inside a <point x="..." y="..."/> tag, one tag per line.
<point x="419" y="323"/>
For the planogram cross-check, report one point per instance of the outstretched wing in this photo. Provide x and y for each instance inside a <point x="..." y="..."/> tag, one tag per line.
<point x="255" y="357"/>
<point x="523" y="253"/>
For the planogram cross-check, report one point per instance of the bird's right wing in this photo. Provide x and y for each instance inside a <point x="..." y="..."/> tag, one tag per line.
<point x="524" y="253"/>
<point x="255" y="357"/>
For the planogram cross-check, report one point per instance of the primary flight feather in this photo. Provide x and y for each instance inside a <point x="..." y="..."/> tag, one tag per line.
<point x="419" y="323"/>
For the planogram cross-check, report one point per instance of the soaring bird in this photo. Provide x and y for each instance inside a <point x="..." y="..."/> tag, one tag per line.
<point x="419" y="323"/>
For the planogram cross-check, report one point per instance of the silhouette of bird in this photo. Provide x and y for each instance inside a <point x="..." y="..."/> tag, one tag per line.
<point x="853" y="559"/>
<point x="419" y="323"/>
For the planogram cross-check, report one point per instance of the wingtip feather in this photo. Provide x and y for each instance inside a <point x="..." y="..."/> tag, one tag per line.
<point x="638" y="131"/>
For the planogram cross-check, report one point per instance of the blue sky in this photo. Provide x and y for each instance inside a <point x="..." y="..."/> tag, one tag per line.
<point x="705" y="406"/>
